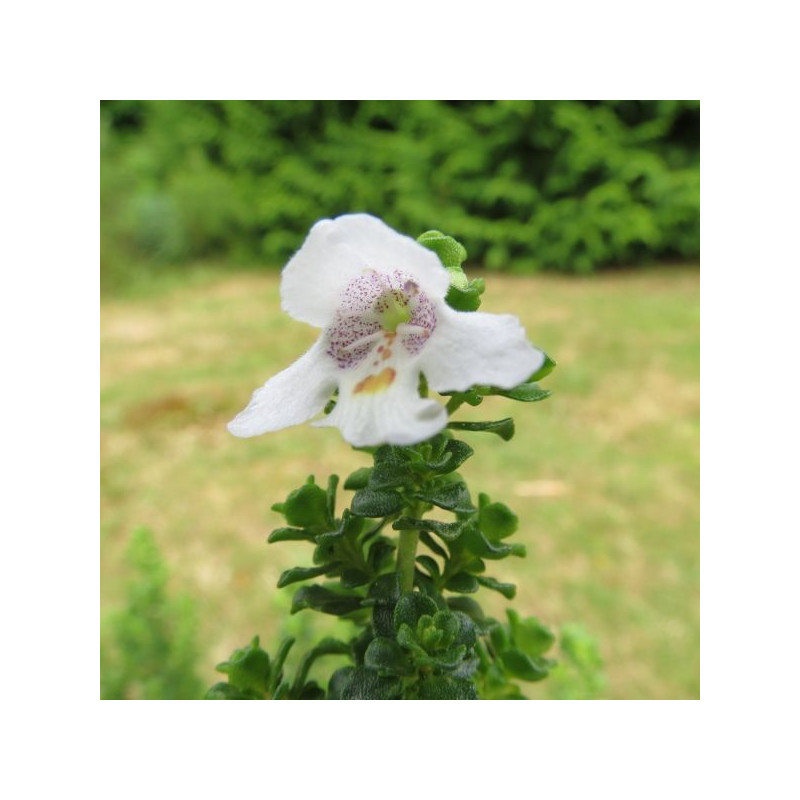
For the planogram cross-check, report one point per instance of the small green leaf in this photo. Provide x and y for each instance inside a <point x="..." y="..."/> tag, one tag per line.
<point x="463" y="583"/>
<point x="449" y="531"/>
<point x="471" y="396"/>
<point x="410" y="607"/>
<point x="277" y="665"/>
<point x="376" y="503"/>
<point x="306" y="507"/>
<point x="283" y="651"/>
<point x="450" y="625"/>
<point x="432" y="544"/>
<point x="389" y="474"/>
<point x="321" y="599"/>
<point x="283" y="692"/>
<point x="290" y="535"/>
<point x="310" y="691"/>
<point x="430" y="565"/>
<point x="358" y="479"/>
<point x="392" y="453"/>
<point x="383" y="595"/>
<point x="331" y="647"/>
<point x="465" y="298"/>
<point x="508" y="590"/>
<point x="339" y="682"/>
<point x="454" y="455"/>
<point x="467" y="606"/>
<point x="504" y="428"/>
<point x="450" y="496"/>
<point x="475" y="565"/>
<point x="388" y="657"/>
<point x="351" y="578"/>
<point x="248" y="668"/>
<point x="444" y="687"/>
<point x="297" y="574"/>
<point x="518" y="665"/>
<point x="529" y="635"/>
<point x="476" y="542"/>
<point x="499" y="637"/>
<point x="382" y="621"/>
<point x="327" y="647"/>
<point x="348" y="526"/>
<point x="378" y="553"/>
<point x="224" y="691"/>
<point x="525" y="393"/>
<point x="450" y="251"/>
<point x="385" y="591"/>
<point x="448" y="660"/>
<point x="496" y="520"/>
<point x="333" y="482"/>
<point x="367" y="684"/>
<point x="467" y="630"/>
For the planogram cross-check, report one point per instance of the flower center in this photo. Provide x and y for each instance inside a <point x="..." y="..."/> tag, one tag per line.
<point x="379" y="311"/>
<point x="392" y="309"/>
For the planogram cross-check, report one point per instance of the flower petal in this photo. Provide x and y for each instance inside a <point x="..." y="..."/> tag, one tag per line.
<point x="381" y="405"/>
<point x="469" y="348"/>
<point x="291" y="397"/>
<point x="338" y="250"/>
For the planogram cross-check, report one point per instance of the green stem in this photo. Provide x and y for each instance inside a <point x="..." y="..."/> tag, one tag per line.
<point x="406" y="559"/>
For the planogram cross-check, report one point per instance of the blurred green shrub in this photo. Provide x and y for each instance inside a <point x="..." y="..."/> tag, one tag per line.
<point x="568" y="185"/>
<point x="148" y="649"/>
<point x="579" y="672"/>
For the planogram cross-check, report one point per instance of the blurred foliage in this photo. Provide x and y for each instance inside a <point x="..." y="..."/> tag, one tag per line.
<point x="579" y="672"/>
<point x="148" y="649"/>
<point x="567" y="185"/>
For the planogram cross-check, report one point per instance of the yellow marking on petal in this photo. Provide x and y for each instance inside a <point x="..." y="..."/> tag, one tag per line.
<point x="376" y="383"/>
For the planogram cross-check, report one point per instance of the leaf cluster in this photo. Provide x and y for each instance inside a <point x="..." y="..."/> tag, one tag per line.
<point x="432" y="642"/>
<point x="514" y="651"/>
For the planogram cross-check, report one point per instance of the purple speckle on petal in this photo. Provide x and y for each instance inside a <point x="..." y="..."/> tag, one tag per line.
<point x="357" y="326"/>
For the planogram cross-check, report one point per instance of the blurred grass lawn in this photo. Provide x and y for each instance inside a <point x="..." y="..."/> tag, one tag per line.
<point x="604" y="475"/>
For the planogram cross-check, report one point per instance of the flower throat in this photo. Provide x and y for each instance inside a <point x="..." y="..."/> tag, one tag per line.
<point x="393" y="309"/>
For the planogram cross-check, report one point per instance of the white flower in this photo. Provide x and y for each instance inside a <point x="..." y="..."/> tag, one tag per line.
<point x="378" y="297"/>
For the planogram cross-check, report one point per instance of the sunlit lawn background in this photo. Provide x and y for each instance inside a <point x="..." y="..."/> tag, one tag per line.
<point x="604" y="474"/>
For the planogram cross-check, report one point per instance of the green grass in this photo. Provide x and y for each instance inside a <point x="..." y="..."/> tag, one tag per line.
<point x="604" y="474"/>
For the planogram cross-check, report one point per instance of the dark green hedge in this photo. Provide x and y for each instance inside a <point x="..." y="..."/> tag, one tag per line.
<point x="526" y="185"/>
